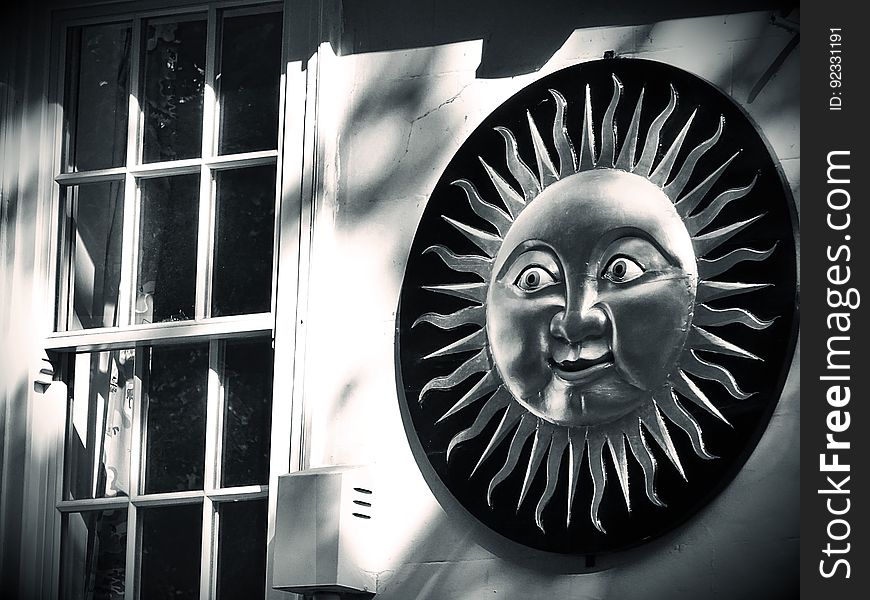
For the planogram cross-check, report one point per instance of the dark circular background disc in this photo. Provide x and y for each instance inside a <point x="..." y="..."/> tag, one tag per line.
<point x="774" y="345"/>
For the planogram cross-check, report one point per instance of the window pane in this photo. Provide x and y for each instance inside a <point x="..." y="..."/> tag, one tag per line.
<point x="99" y="437"/>
<point x="169" y="215"/>
<point x="97" y="90"/>
<point x="173" y="88"/>
<point x="95" y="264"/>
<point x="247" y="382"/>
<point x="249" y="88"/>
<point x="171" y="545"/>
<point x="93" y="548"/>
<point x="177" y="385"/>
<point x="244" y="232"/>
<point x="241" y="550"/>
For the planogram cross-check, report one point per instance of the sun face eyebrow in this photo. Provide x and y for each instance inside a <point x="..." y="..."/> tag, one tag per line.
<point x="537" y="247"/>
<point x="620" y="235"/>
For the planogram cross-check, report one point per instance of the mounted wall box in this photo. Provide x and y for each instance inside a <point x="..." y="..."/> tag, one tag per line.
<point x="324" y="525"/>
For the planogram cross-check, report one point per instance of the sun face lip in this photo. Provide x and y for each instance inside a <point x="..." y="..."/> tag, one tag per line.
<point x="580" y="370"/>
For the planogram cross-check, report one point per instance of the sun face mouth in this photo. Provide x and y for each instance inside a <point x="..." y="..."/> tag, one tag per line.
<point x="582" y="370"/>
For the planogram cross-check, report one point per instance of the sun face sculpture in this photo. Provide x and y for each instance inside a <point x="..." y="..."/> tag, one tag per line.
<point x="591" y="316"/>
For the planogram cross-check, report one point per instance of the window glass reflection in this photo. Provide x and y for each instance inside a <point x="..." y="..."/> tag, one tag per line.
<point x="176" y="384"/>
<point x="168" y="221"/>
<point x="173" y="88"/>
<point x="249" y="88"/>
<point x="95" y="269"/>
<point x="96" y="99"/>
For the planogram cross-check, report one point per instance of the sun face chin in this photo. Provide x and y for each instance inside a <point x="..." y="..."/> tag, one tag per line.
<point x="591" y="306"/>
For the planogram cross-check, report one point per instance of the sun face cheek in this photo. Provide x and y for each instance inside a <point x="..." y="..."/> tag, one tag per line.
<point x="650" y="324"/>
<point x="517" y="329"/>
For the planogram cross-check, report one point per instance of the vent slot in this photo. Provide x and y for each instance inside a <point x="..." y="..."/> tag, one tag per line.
<point x="361" y="516"/>
<point x="362" y="490"/>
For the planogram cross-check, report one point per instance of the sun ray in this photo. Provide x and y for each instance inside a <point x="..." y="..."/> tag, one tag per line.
<point x="663" y="409"/>
<point x="710" y="241"/>
<point x="676" y="187"/>
<point x="466" y="291"/>
<point x="508" y="421"/>
<point x="486" y="211"/>
<point x="540" y="447"/>
<point x="554" y="463"/>
<point x="708" y="268"/>
<point x="713" y="317"/>
<point x="587" y="140"/>
<point x="625" y="161"/>
<point x="470" y="315"/>
<point x="485" y="241"/>
<point x="651" y="145"/>
<point x="663" y="170"/>
<point x="577" y="443"/>
<point x="698" y="222"/>
<point x="701" y="339"/>
<point x="689" y="390"/>
<point x="652" y="420"/>
<point x="690" y="201"/>
<point x="647" y="462"/>
<point x="608" y="127"/>
<point x="714" y="290"/>
<point x="465" y="263"/>
<point x="487" y="383"/>
<point x="474" y="341"/>
<point x="479" y="363"/>
<point x="693" y="365"/>
<point x="526" y="428"/>
<point x="546" y="170"/>
<point x="564" y="147"/>
<point x="512" y="200"/>
<point x="616" y="443"/>
<point x="486" y="414"/>
<point x="669" y="406"/>
<point x="595" y="447"/>
<point x="522" y="173"/>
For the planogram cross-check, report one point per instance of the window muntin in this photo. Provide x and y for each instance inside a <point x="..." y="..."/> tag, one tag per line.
<point x="195" y="104"/>
<point x="166" y="427"/>
<point x="169" y="367"/>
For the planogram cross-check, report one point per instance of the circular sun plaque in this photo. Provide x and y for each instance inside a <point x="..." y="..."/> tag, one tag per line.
<point x="599" y="307"/>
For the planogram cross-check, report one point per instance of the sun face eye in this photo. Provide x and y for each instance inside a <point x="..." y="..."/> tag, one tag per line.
<point x="622" y="269"/>
<point x="534" y="278"/>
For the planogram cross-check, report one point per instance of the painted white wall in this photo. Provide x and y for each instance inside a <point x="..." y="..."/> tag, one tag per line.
<point x="389" y="123"/>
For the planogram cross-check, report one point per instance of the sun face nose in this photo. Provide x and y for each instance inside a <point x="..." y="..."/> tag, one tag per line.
<point x="577" y="325"/>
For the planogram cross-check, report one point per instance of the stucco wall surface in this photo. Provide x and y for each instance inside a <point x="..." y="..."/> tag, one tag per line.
<point x="389" y="121"/>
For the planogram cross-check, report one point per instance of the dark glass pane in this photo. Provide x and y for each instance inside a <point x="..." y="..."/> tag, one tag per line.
<point x="177" y="384"/>
<point x="97" y="229"/>
<point x="247" y="381"/>
<point x="94" y="547"/>
<point x="174" y="83"/>
<point x="97" y="88"/>
<point x="244" y="232"/>
<point x="171" y="548"/>
<point x="99" y="426"/>
<point x="249" y="88"/>
<point x="242" y="550"/>
<point x="168" y="221"/>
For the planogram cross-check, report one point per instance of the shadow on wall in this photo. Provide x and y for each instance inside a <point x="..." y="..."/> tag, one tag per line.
<point x="518" y="37"/>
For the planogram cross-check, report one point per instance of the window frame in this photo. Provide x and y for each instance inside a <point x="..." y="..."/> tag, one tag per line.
<point x="295" y="159"/>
